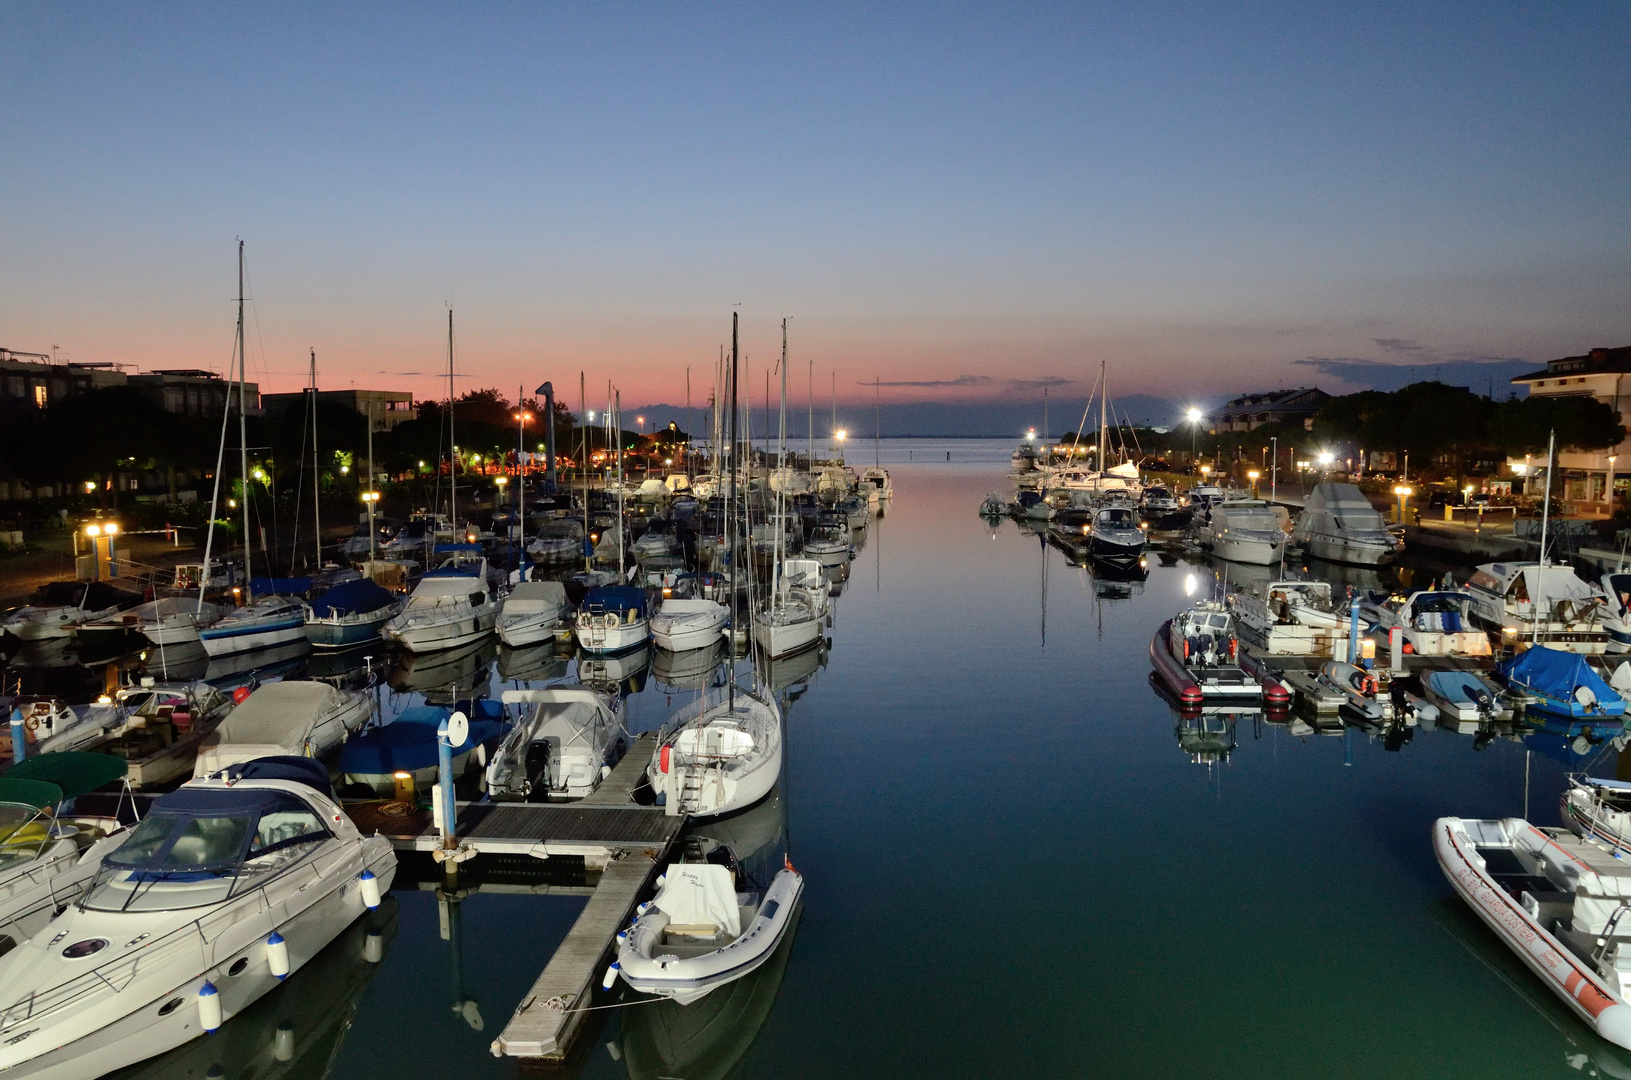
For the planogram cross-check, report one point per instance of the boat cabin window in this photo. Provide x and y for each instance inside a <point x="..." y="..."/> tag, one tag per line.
<point x="477" y="599"/>
<point x="1438" y="601"/>
<point x="285" y="828"/>
<point x="1118" y="517"/>
<point x="1519" y="590"/>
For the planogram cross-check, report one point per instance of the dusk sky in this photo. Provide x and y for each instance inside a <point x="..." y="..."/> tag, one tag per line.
<point x="966" y="202"/>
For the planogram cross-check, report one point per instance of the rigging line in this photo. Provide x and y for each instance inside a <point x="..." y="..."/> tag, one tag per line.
<point x="1090" y="398"/>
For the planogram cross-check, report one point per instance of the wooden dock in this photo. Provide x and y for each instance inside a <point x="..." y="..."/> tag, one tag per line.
<point x="625" y="841"/>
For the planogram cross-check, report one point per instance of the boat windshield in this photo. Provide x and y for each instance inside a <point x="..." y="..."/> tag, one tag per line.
<point x="1118" y="518"/>
<point x="23" y="833"/>
<point x="203" y="846"/>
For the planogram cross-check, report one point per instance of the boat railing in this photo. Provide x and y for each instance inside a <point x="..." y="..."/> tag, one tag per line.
<point x="1608" y="932"/>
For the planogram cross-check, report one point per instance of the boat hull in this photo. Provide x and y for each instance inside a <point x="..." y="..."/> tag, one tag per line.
<point x="595" y="637"/>
<point x="530" y="630"/>
<point x="1251" y="552"/>
<point x="352" y="630"/>
<point x="446" y="635"/>
<point x="227" y="641"/>
<point x="1341" y="549"/>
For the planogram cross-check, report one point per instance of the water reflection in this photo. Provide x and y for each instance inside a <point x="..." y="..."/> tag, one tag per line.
<point x="445" y="675"/>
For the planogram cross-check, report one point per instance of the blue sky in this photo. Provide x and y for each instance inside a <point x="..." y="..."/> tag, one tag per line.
<point x="1206" y="196"/>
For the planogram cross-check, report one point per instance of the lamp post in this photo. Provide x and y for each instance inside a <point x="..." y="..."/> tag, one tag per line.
<point x="1252" y="475"/>
<point x="1274" y="470"/>
<point x="1325" y="459"/>
<point x="1403" y="491"/>
<point x="370" y="497"/>
<point x="1608" y="491"/>
<point x="1194" y="427"/>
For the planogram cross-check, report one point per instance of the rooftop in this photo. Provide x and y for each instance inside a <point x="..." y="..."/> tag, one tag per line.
<point x="1598" y="361"/>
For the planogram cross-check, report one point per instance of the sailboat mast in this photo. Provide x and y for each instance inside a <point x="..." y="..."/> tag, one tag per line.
<point x="781" y="473"/>
<point x="617" y="426"/>
<point x="370" y="489"/>
<point x="521" y="479"/>
<point x="452" y="441"/>
<point x="583" y="459"/>
<point x="1104" y="397"/>
<point x="1545" y="520"/>
<point x="316" y="477"/>
<point x="243" y="430"/>
<point x="730" y="518"/>
<point x="877" y="423"/>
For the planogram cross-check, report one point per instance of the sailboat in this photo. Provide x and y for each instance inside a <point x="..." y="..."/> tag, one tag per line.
<point x="876" y="474"/>
<point x="271" y="620"/>
<point x="791" y="618"/>
<point x="724" y="752"/>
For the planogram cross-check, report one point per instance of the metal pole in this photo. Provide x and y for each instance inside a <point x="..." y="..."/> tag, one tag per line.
<point x="444" y="784"/>
<point x="1274" y="470"/>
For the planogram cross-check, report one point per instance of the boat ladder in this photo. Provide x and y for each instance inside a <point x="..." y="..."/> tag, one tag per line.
<point x="1608" y="933"/>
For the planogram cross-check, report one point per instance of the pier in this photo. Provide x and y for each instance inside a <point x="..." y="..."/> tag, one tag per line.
<point x="626" y="842"/>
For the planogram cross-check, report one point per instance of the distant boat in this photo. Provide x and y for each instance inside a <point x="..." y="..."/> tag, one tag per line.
<point x="260" y="624"/>
<point x="1339" y="524"/>
<point x="531" y="612"/>
<point x="1246" y="531"/>
<point x="59" y="609"/>
<point x="613" y="618"/>
<point x="291" y="718"/>
<point x="451" y="606"/>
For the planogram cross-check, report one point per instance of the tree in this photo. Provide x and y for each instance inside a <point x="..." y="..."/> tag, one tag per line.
<point x="1522" y="426"/>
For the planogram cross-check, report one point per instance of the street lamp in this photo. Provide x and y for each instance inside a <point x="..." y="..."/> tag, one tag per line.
<point x="1194" y="426"/>
<point x="1403" y="491"/>
<point x="1608" y="491"/>
<point x="1252" y="475"/>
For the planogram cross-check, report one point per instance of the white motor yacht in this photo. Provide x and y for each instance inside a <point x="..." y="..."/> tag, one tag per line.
<point x="169" y="620"/>
<point x="559" y="540"/>
<point x="226" y="886"/>
<point x="1339" y="524"/>
<point x="1616" y="612"/>
<point x="44" y="857"/>
<point x="1291" y="618"/>
<point x="157" y="728"/>
<point x="681" y="625"/>
<point x="298" y="718"/>
<point x="60" y="608"/>
<point x="562" y="749"/>
<point x="1245" y="531"/>
<point x="451" y="606"/>
<point x="261" y="624"/>
<point x="531" y="612"/>
<point x="1538" y="603"/>
<point x="720" y="754"/>
<point x="1435" y="622"/>
<point x="878" y="476"/>
<point x="1115" y="535"/>
<point x="830" y="542"/>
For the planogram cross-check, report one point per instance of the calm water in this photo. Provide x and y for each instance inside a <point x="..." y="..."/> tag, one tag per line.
<point x="1014" y="867"/>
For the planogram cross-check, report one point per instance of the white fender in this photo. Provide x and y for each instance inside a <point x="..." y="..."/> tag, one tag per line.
<point x="277" y="955"/>
<point x="283" y="1042"/>
<point x="373" y="946"/>
<point x="370" y="890"/>
<point x="611" y="976"/>
<point x="209" y="1007"/>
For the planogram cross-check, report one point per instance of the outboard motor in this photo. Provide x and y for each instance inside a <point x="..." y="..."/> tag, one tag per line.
<point x="724" y="856"/>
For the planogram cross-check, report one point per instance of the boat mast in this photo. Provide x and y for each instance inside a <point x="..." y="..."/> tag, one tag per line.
<point x="243" y="432"/>
<point x="583" y="461"/>
<point x="371" y="489"/>
<point x="316" y="477"/>
<point x="452" y="443"/>
<point x="1545" y="517"/>
<point x="781" y="463"/>
<point x="617" y="426"/>
<point x="521" y="479"/>
<point x="220" y="453"/>
<point x="730" y="523"/>
<point x="877" y="423"/>
<point x="810" y="464"/>
<point x="1104" y="398"/>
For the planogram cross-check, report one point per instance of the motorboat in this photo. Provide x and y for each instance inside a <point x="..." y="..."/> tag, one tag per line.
<point x="1616" y="611"/>
<point x="1598" y="809"/>
<point x="531" y="612"/>
<point x="558" y="540"/>
<point x="855" y="510"/>
<point x="1031" y="505"/>
<point x="158" y="728"/>
<point x="699" y="933"/>
<point x="350" y="613"/>
<point x="1290" y="618"/>
<point x="658" y="539"/>
<point x="51" y="725"/>
<point x="408" y="745"/>
<point x="830" y="542"/>
<point x="719" y="754"/>
<point x="451" y="606"/>
<point x="1561" y="684"/>
<point x="169" y="620"/>
<point x="1116" y="535"/>
<point x="1198" y="657"/>
<point x="681" y="625"/>
<point x="563" y="748"/>
<point x="1245" y="531"/>
<point x="45" y="856"/>
<point x="1339" y="524"/>
<point x="1434" y="622"/>
<point x="226" y="886"/>
<point x="1462" y="696"/>
<point x="292" y="718"/>
<point x="1024" y="458"/>
<point x="262" y="623"/>
<point x="994" y="506"/>
<point x="1538" y="603"/>
<point x="878" y="477"/>
<point x="1358" y="688"/>
<point x="1555" y="899"/>
<point x="613" y="618"/>
<point x="60" y="608"/>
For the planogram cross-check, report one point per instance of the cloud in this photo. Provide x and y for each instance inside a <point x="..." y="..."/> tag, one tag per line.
<point x="1399" y="345"/>
<point x="961" y="380"/>
<point x="1483" y="375"/>
<point x="1048" y="381"/>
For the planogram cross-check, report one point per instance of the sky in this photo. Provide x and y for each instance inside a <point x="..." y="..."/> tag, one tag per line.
<point x="960" y="202"/>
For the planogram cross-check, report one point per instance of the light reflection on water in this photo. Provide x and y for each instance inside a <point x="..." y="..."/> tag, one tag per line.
<point x="1020" y="860"/>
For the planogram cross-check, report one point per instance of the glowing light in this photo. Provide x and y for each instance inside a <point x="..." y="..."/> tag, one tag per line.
<point x="1194" y="416"/>
<point x="1191" y="583"/>
<point x="842" y="434"/>
<point x="1405" y="490"/>
<point x="1326" y="457"/>
<point x="90" y="486"/>
<point x="93" y="530"/>
<point x="110" y="528"/>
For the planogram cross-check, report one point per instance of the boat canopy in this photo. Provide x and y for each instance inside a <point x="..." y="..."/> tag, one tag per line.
<point x="352" y="598"/>
<point x="533" y="597"/>
<point x="700" y="894"/>
<point x="448" y="549"/>
<point x="280" y="714"/>
<point x="615" y="598"/>
<point x="409" y="742"/>
<point x="1561" y="677"/>
<point x="302" y="770"/>
<point x="73" y="772"/>
<point x="1343" y="506"/>
<point x="35" y="794"/>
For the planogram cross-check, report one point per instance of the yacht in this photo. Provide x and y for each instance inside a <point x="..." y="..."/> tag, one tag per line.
<point x="1245" y="531"/>
<point x="1115" y="536"/>
<point x="679" y="625"/>
<point x="720" y="754"/>
<point x="559" y="540"/>
<point x="260" y="624"/>
<point x="531" y="612"/>
<point x="1540" y="604"/>
<point x="1434" y="622"/>
<point x="1162" y="510"/>
<point x="1339" y="524"/>
<point x="613" y="618"/>
<point x="878" y="476"/>
<point x="169" y="620"/>
<point x="59" y="609"/>
<point x="351" y="613"/>
<point x="1616" y="613"/>
<point x="792" y="619"/>
<point x="290" y="718"/>
<point x="451" y="606"/>
<point x="1291" y="618"/>
<point x="563" y="748"/>
<point x="157" y="728"/>
<point x="831" y="542"/>
<point x="226" y="886"/>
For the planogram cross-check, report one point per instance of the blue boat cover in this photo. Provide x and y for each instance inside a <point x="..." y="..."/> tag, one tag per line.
<point x="280" y="586"/>
<point x="352" y="598"/>
<point x="408" y="743"/>
<point x="447" y="549"/>
<point x="302" y="770"/>
<point x="617" y="598"/>
<point x="1554" y="676"/>
<point x="469" y="570"/>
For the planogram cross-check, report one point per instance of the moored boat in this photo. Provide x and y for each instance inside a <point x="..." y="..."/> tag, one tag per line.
<point x="612" y="618"/>
<point x="350" y="613"/>
<point x="720" y="754"/>
<point x="1197" y="655"/>
<point x="562" y="748"/>
<point x="293" y="718"/>
<point x="1561" y="684"/>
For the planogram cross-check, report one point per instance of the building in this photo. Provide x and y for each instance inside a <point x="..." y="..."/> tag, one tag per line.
<point x="386" y="408"/>
<point x="34" y="381"/>
<point x="194" y="392"/>
<point x="1290" y="407"/>
<point x="1602" y="374"/>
